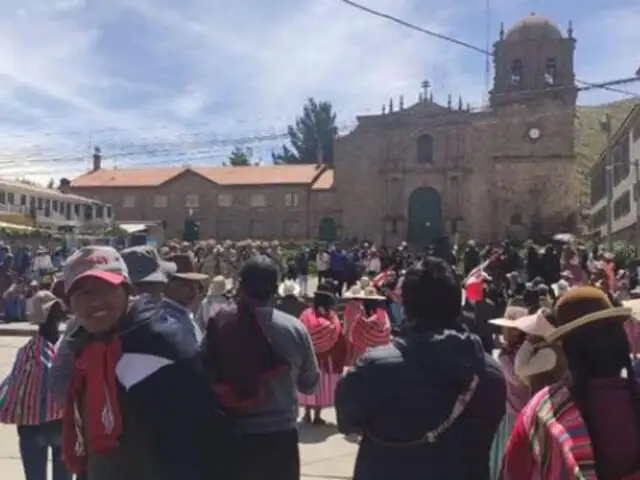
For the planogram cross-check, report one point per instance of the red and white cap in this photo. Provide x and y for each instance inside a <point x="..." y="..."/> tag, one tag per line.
<point x="95" y="261"/>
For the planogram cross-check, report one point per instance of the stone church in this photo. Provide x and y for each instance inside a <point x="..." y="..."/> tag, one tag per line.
<point x="414" y="173"/>
<point x="420" y="172"/>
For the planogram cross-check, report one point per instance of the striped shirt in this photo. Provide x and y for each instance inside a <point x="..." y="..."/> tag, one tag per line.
<point x="25" y="398"/>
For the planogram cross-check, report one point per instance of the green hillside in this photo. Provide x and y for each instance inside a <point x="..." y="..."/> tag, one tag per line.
<point x="590" y="140"/>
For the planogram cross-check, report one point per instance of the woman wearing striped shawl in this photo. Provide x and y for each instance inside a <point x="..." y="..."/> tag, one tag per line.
<point x="330" y="347"/>
<point x="368" y="323"/>
<point x="587" y="428"/>
<point x="25" y="399"/>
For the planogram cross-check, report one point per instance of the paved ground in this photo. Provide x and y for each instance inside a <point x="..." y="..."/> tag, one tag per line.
<point x="325" y="453"/>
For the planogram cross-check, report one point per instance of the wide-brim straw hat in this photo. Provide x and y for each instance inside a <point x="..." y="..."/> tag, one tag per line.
<point x="353" y="292"/>
<point x="218" y="285"/>
<point x="535" y="324"/>
<point x="582" y="306"/>
<point x="289" y="287"/>
<point x="369" y="293"/>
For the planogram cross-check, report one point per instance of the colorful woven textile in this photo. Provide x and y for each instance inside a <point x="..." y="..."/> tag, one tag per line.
<point x="549" y="440"/>
<point x="24" y="393"/>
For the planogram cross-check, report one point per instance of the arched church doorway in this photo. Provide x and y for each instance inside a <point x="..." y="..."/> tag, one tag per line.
<point x="425" y="216"/>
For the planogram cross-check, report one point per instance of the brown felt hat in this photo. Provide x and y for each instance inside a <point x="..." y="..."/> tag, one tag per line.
<point x="186" y="267"/>
<point x="582" y="306"/>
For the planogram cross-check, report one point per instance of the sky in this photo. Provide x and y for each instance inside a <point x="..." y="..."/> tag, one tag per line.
<point x="166" y="82"/>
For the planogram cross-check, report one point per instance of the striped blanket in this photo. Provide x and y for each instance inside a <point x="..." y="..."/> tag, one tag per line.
<point x="24" y="394"/>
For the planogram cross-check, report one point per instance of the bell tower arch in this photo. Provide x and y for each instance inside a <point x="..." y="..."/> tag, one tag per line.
<point x="533" y="60"/>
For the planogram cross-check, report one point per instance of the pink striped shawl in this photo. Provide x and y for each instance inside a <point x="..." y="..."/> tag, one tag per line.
<point x="366" y="332"/>
<point x="24" y="394"/>
<point x="324" y="331"/>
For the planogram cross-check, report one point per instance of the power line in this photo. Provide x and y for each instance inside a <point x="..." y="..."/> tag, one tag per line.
<point x="484" y="51"/>
<point x="180" y="153"/>
<point x="426" y="31"/>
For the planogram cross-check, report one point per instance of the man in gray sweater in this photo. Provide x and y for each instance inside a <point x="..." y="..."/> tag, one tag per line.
<point x="258" y="359"/>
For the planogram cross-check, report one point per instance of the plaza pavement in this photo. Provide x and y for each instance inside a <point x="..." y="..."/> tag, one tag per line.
<point x="325" y="454"/>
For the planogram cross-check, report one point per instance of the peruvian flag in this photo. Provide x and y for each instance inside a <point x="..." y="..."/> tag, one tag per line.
<point x="382" y="277"/>
<point x="473" y="285"/>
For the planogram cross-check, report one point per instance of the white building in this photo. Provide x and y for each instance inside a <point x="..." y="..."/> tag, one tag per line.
<point x="625" y="152"/>
<point x="50" y="208"/>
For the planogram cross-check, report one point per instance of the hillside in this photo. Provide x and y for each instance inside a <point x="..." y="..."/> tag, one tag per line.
<point x="590" y="140"/>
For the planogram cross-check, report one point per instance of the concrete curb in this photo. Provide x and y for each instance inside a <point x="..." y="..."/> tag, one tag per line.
<point x="18" y="330"/>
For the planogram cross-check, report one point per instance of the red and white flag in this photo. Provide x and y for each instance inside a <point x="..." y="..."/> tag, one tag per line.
<point x="473" y="285"/>
<point x="382" y="277"/>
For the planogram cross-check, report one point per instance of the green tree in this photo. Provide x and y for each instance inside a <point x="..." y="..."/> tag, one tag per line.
<point x="239" y="158"/>
<point x="313" y="134"/>
<point x="51" y="183"/>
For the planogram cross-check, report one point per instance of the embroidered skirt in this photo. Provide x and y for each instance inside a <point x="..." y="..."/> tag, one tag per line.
<point x="499" y="444"/>
<point x="324" y="395"/>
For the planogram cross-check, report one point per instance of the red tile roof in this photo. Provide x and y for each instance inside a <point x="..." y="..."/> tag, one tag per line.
<point x="230" y="176"/>
<point x="324" y="181"/>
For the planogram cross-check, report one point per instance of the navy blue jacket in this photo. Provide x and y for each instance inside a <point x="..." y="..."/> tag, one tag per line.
<point x="399" y="392"/>
<point x="167" y="403"/>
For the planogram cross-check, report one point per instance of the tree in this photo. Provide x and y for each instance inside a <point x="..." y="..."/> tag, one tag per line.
<point x="312" y="135"/>
<point x="51" y="183"/>
<point x="239" y="158"/>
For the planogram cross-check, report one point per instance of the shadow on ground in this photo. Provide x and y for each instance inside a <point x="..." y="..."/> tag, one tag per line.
<point x="316" y="433"/>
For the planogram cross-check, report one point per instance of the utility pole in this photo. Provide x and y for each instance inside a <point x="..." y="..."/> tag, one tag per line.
<point x="605" y="126"/>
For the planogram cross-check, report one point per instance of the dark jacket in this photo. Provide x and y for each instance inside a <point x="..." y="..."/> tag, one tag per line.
<point x="399" y="392"/>
<point x="173" y="427"/>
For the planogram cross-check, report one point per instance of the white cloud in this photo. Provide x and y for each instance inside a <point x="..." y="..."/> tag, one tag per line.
<point x="158" y="77"/>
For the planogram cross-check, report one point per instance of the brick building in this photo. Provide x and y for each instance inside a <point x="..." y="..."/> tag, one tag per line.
<point x="414" y="174"/>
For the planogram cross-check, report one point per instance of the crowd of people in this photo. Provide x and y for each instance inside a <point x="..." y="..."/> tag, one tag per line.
<point x="202" y="361"/>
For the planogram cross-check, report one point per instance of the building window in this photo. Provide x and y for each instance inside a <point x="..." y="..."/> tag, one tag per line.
<point x="291" y="228"/>
<point x="599" y="218"/>
<point x="76" y="210"/>
<point x="291" y="199"/>
<point x="517" y="74"/>
<point x="99" y="211"/>
<point x="11" y="198"/>
<point x="224" y="230"/>
<point x="516" y="219"/>
<point x="621" y="161"/>
<point x="128" y="201"/>
<point x="23" y="199"/>
<point x="425" y="149"/>
<point x="88" y="212"/>
<point x="40" y="204"/>
<point x="160" y="201"/>
<point x="225" y="200"/>
<point x="622" y="206"/>
<point x="256" y="229"/>
<point x="32" y="202"/>
<point x="192" y="200"/>
<point x="258" y="200"/>
<point x="109" y="212"/>
<point x="551" y="72"/>
<point x="3" y="197"/>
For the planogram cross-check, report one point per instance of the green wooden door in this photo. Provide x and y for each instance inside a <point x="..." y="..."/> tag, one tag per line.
<point x="425" y="216"/>
<point x="328" y="230"/>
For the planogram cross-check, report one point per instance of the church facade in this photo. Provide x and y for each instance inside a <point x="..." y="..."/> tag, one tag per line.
<point x="429" y="170"/>
<point x="412" y="174"/>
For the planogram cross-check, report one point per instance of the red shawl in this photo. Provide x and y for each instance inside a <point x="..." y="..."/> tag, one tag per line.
<point x="92" y="419"/>
<point x="328" y="341"/>
<point x="366" y="332"/>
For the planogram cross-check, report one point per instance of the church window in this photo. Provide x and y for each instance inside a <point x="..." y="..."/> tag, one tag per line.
<point x="516" y="219"/>
<point x="550" y="72"/>
<point x="425" y="149"/>
<point x="516" y="72"/>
